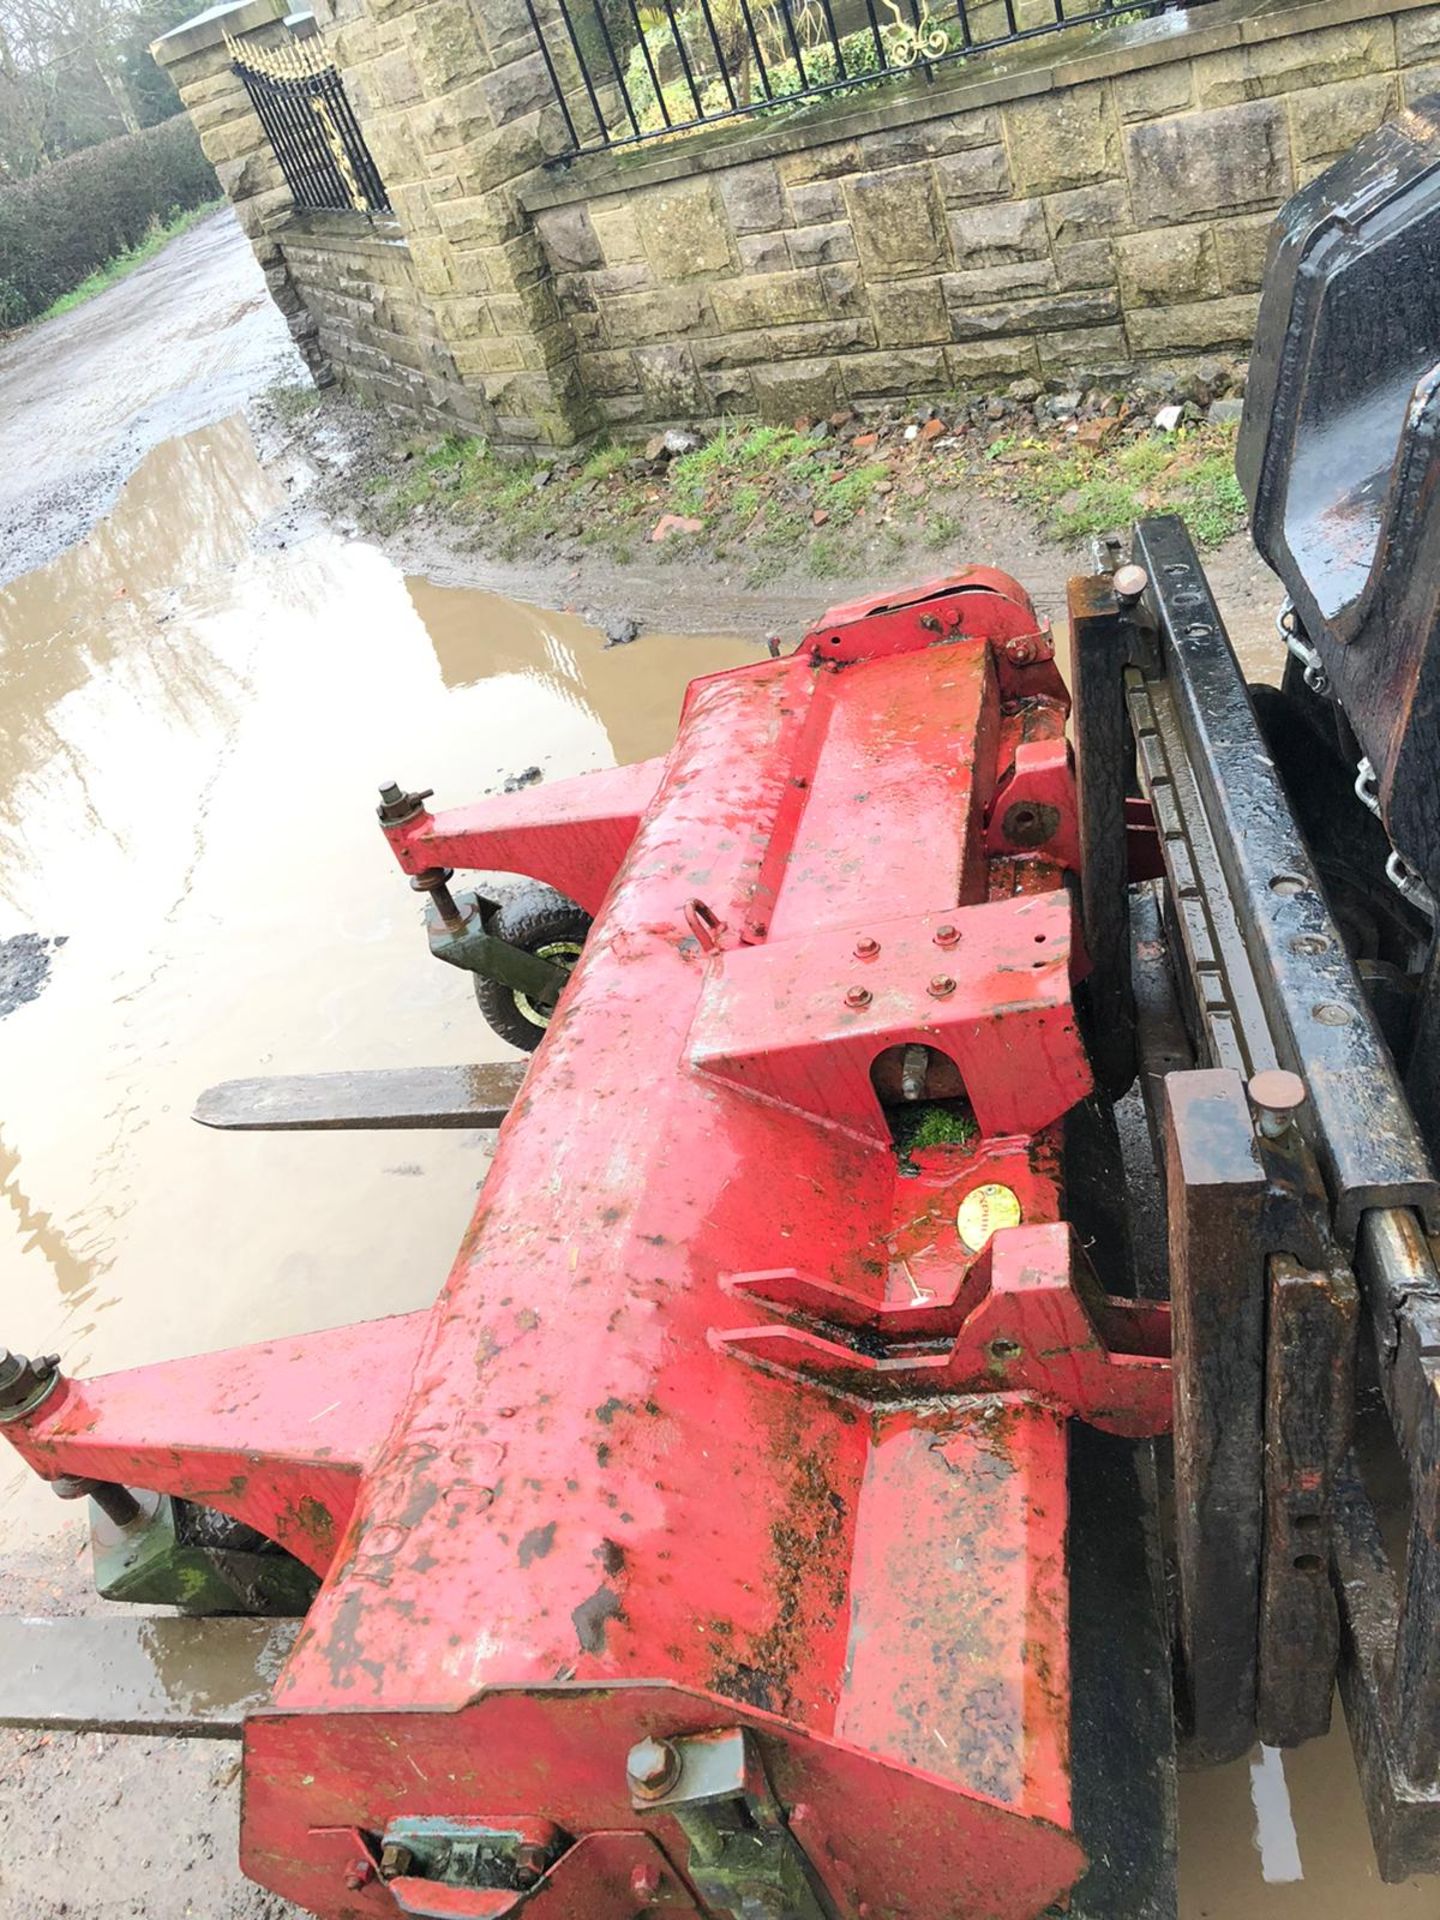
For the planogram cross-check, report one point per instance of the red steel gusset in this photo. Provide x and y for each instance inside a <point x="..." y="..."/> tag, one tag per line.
<point x="728" y="1416"/>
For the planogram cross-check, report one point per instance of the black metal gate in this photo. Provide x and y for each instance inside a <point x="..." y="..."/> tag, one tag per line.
<point x="297" y="91"/>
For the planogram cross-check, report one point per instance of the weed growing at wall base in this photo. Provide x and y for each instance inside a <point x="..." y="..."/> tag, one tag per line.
<point x="769" y="499"/>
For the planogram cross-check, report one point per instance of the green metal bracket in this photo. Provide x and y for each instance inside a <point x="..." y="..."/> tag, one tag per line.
<point x="164" y="1558"/>
<point x="744" y="1860"/>
<point x="470" y="947"/>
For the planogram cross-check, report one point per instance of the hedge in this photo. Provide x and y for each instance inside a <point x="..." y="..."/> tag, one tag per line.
<point x="59" y="226"/>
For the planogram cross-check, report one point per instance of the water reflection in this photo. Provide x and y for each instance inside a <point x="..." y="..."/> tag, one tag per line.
<point x="191" y="735"/>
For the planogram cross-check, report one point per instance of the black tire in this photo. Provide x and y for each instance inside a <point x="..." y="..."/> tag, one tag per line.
<point x="536" y="918"/>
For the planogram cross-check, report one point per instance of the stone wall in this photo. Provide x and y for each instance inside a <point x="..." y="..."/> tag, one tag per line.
<point x="443" y="312"/>
<point x="359" y="286"/>
<point x="1115" y="215"/>
<point x="236" y="147"/>
<point x="1092" y="204"/>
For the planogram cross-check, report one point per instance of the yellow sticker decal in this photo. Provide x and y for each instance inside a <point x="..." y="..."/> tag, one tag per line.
<point x="984" y="1210"/>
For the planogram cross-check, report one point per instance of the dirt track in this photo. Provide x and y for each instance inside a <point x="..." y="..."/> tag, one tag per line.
<point x="186" y="339"/>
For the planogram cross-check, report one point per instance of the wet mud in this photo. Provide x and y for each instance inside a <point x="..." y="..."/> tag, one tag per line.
<point x="202" y="684"/>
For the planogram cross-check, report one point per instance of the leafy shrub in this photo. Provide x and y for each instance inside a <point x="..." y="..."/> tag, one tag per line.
<point x="60" y="225"/>
<point x="863" y="60"/>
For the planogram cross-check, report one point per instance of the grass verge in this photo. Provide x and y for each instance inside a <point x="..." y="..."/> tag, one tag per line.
<point x="159" y="236"/>
<point x="829" y="497"/>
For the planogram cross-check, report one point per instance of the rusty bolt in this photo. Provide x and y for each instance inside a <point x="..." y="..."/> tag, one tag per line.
<point x="24" y="1384"/>
<point x="1020" y="651"/>
<point x="359" y="1874"/>
<point x="1129" y="583"/>
<point x="866" y="948"/>
<point x="652" y="1768"/>
<point x="531" y="1862"/>
<point x="396" y="806"/>
<point x="1277" y="1097"/>
<point x="941" y="986"/>
<point x="858" y="997"/>
<point x="645" y="1881"/>
<point x="117" y="1503"/>
<point x="395" y="1861"/>
<point x="947" y="936"/>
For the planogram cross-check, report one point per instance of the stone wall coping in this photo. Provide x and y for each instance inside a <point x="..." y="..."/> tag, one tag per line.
<point x="1049" y="64"/>
<point x="356" y="232"/>
<point x="209" y="29"/>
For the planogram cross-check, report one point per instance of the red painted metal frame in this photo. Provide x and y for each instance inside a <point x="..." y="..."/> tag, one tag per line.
<point x="716" y="1419"/>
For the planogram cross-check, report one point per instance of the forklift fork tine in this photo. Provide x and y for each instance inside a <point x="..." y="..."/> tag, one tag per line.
<point x="473" y="1096"/>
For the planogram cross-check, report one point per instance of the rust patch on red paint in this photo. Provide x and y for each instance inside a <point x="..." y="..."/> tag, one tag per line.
<point x="592" y="1617"/>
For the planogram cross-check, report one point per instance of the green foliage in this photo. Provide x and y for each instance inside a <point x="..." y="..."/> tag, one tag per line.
<point x="932" y="1123"/>
<point x="65" y="224"/>
<point x="1211" y="500"/>
<point x="786" y="79"/>
<point x="603" y="462"/>
<point x="293" y="403"/>
<point x="125" y="263"/>
<point x="1190" y="473"/>
<point x="847" y="497"/>
<point x="773" y="500"/>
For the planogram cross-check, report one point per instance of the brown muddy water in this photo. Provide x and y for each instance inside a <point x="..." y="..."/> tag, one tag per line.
<point x="191" y="734"/>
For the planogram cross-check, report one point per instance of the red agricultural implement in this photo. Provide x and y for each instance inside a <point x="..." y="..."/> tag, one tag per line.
<point x="777" y="1512"/>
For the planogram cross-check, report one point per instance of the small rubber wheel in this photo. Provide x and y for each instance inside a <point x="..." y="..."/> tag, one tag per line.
<point x="543" y="922"/>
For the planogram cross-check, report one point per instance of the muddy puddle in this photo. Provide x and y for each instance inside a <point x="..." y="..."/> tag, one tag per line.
<point x="191" y="735"/>
<point x="192" y="738"/>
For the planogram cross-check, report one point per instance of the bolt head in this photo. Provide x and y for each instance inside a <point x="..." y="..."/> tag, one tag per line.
<point x="645" y="1880"/>
<point x="941" y="986"/>
<point x="1020" y="652"/>
<point x="24" y="1384"/>
<point x="1277" y="1091"/>
<point x="652" y="1768"/>
<point x="858" y="997"/>
<point x="359" y="1874"/>
<point x="395" y="1862"/>
<point x="866" y="948"/>
<point x="1129" y="583"/>
<point x="530" y="1864"/>
<point x="947" y="936"/>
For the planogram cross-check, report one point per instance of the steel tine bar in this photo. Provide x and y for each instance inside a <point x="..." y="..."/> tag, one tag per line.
<point x="680" y="48"/>
<point x="615" y="67"/>
<point x="719" y="56"/>
<point x="185" y="1678"/>
<point x="359" y="151"/>
<point x="840" y="66"/>
<point x="560" y="100"/>
<point x="760" y="66"/>
<point x="660" y="99"/>
<point x="920" y="55"/>
<point x="881" y="56"/>
<point x="584" y="67"/>
<point x="791" y="35"/>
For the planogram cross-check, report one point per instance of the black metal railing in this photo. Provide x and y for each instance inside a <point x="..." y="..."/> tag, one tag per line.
<point x="630" y="70"/>
<point x="297" y="91"/>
